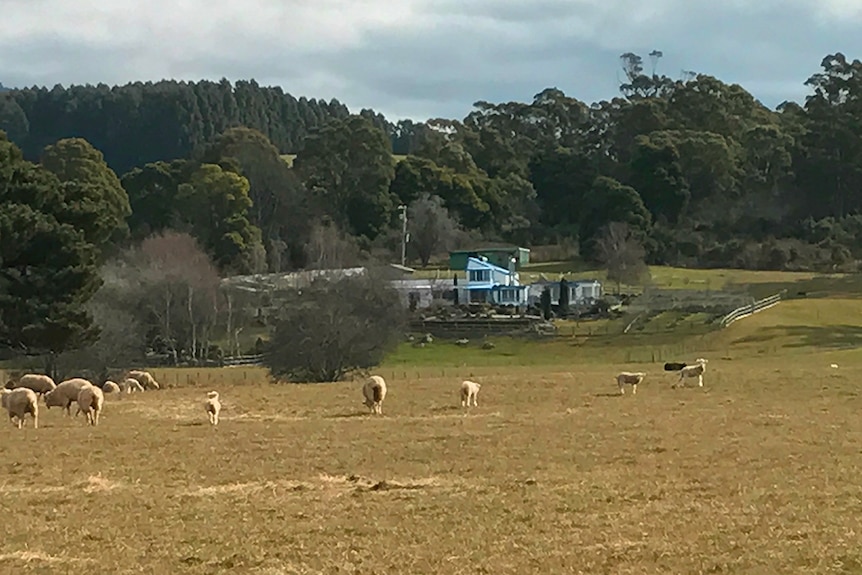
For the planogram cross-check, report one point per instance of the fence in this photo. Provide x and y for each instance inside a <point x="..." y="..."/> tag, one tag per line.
<point x="751" y="309"/>
<point x="254" y="360"/>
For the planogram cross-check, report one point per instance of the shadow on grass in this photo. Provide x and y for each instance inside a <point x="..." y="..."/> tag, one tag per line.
<point x="821" y="337"/>
<point x="609" y="395"/>
<point x="446" y="409"/>
<point x="347" y="415"/>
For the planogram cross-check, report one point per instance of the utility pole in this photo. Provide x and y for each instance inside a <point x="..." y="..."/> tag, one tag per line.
<point x="403" y="209"/>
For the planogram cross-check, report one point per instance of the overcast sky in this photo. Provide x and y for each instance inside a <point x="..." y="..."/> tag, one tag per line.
<point x="424" y="58"/>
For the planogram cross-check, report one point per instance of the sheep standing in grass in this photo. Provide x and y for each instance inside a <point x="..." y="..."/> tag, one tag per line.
<point x="213" y="407"/>
<point x="690" y="371"/>
<point x="19" y="402"/>
<point x="131" y="385"/>
<point x="110" y="387"/>
<point x="91" y="400"/>
<point x="630" y="378"/>
<point x="65" y="394"/>
<point x="374" y="392"/>
<point x="41" y="384"/>
<point x="145" y="379"/>
<point x="470" y="391"/>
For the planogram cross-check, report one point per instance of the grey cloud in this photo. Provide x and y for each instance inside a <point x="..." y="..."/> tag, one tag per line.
<point x="454" y="53"/>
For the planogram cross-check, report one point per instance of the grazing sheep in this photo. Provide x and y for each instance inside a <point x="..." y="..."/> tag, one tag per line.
<point x="630" y="378"/>
<point x="110" y="387"/>
<point x="695" y="370"/>
<point x="470" y="390"/>
<point x="213" y="407"/>
<point x="91" y="400"/>
<point x="145" y="379"/>
<point x="374" y="391"/>
<point x="65" y="394"/>
<point x="131" y="385"/>
<point x="19" y="402"/>
<point x="39" y="383"/>
<point x="673" y="366"/>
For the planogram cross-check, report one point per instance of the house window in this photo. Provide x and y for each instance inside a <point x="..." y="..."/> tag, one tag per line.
<point x="508" y="295"/>
<point x="480" y="275"/>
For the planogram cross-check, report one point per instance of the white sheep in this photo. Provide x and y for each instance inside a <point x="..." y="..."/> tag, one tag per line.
<point x="41" y="384"/>
<point x="697" y="370"/>
<point x="630" y="378"/>
<point x="470" y="391"/>
<point x="110" y="387"/>
<point x="213" y="407"/>
<point x="374" y="392"/>
<point x="19" y="402"/>
<point x="91" y="400"/>
<point x="65" y="393"/>
<point x="145" y="379"/>
<point x="131" y="385"/>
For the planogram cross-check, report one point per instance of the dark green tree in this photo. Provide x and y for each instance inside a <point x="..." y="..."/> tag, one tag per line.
<point x="348" y="167"/>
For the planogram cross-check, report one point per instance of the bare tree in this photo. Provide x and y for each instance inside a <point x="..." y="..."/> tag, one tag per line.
<point x="431" y="228"/>
<point x="331" y="328"/>
<point x="180" y="271"/>
<point x="622" y="254"/>
<point x="329" y="248"/>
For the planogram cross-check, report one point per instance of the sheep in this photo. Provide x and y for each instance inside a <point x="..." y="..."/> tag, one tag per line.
<point x="110" y="387"/>
<point x="470" y="390"/>
<point x="41" y="384"/>
<point x="91" y="400"/>
<point x="145" y="379"/>
<point x="19" y="402"/>
<point x="630" y="378"/>
<point x="65" y="393"/>
<point x="695" y="370"/>
<point x="374" y="391"/>
<point x="673" y="366"/>
<point x="213" y="407"/>
<point x="131" y="385"/>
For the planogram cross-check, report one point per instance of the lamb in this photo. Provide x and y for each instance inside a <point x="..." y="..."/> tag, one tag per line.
<point x="145" y="379"/>
<point x="671" y="366"/>
<point x="695" y="370"/>
<point x="90" y="401"/>
<point x="41" y="384"/>
<point x="213" y="407"/>
<point x="470" y="390"/>
<point x="630" y="378"/>
<point x="374" y="391"/>
<point x="65" y="394"/>
<point x="19" y="402"/>
<point x="110" y="387"/>
<point x="131" y="385"/>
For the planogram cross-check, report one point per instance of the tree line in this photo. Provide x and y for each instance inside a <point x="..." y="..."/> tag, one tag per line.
<point x="699" y="170"/>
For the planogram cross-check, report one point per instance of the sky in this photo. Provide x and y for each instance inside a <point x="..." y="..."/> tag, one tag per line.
<point x="423" y="59"/>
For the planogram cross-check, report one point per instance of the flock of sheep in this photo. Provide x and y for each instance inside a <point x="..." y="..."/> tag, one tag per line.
<point x="21" y="398"/>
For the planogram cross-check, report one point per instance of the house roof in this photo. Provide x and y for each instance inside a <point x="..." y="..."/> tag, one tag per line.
<point x="480" y="264"/>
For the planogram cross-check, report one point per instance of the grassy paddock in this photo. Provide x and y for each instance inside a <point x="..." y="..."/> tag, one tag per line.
<point x="757" y="472"/>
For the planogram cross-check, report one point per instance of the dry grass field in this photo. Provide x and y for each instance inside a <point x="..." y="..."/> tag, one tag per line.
<point x="758" y="472"/>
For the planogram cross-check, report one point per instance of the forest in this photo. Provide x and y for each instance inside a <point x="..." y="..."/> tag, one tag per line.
<point x="693" y="172"/>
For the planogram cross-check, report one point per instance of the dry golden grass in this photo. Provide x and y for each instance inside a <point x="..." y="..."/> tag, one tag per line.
<point x="757" y="472"/>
